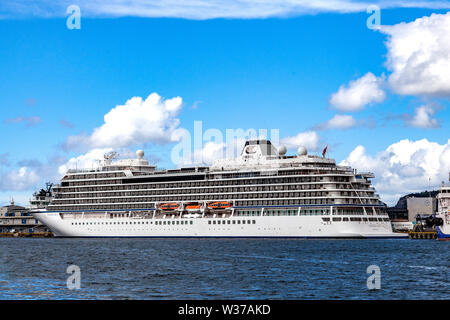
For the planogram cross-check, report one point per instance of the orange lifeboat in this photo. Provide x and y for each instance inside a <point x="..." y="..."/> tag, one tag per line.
<point x="219" y="205"/>
<point x="194" y="206"/>
<point x="168" y="206"/>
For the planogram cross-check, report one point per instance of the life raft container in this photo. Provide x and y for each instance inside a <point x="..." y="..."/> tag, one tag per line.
<point x="168" y="206"/>
<point x="219" y="205"/>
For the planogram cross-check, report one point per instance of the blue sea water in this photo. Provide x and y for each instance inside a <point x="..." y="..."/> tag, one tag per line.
<point x="223" y="268"/>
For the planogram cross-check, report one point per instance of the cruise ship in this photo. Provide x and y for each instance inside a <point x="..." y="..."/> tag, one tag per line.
<point x="261" y="193"/>
<point x="443" y="212"/>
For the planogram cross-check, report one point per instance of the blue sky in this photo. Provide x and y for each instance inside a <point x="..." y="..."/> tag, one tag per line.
<point x="271" y="72"/>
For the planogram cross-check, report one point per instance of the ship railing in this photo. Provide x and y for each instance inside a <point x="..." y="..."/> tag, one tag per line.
<point x="84" y="170"/>
<point x="98" y="169"/>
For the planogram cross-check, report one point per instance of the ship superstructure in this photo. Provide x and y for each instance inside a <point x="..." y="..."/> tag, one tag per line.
<point x="42" y="199"/>
<point x="262" y="193"/>
<point x="443" y="212"/>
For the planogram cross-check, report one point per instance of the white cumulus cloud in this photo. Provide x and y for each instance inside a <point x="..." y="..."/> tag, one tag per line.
<point x="404" y="167"/>
<point x="206" y="155"/>
<point x="307" y="139"/>
<point x="423" y="118"/>
<point x="211" y="151"/>
<point x="339" y="121"/>
<point x="358" y="93"/>
<point x="214" y="150"/>
<point x="84" y="161"/>
<point x="138" y="121"/>
<point x="419" y="56"/>
<point x="19" y="179"/>
<point x="28" y="175"/>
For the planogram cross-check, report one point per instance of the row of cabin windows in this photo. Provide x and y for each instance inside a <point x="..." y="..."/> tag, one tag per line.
<point x="17" y="214"/>
<point x="350" y="212"/>
<point x="89" y="182"/>
<point x="247" y="213"/>
<point x="95" y="176"/>
<point x="148" y="191"/>
<point x="173" y="222"/>
<point x="137" y="198"/>
<point x="204" y="188"/>
<point x="289" y="173"/>
<point x="284" y="212"/>
<point x="21" y="221"/>
<point x="315" y="212"/>
<point x="149" y="205"/>
<point x="244" y="203"/>
<point x="182" y="222"/>
<point x="337" y="219"/>
<point x="266" y="213"/>
<point x="197" y="198"/>
<point x="203" y="183"/>
<point x="232" y="221"/>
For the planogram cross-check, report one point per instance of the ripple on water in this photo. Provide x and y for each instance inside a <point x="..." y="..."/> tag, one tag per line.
<point x="223" y="269"/>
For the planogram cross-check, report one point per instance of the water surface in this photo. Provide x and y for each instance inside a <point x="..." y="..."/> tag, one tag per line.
<point x="223" y="268"/>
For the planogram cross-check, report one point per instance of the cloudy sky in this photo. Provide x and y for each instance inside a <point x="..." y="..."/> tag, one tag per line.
<point x="140" y="74"/>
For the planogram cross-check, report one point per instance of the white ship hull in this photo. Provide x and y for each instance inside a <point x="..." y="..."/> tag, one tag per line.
<point x="255" y="226"/>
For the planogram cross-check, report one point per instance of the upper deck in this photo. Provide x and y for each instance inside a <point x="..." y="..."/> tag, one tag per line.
<point x="262" y="176"/>
<point x="257" y="156"/>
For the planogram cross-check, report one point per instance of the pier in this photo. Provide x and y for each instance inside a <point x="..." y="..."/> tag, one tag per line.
<point x="422" y="235"/>
<point x="26" y="234"/>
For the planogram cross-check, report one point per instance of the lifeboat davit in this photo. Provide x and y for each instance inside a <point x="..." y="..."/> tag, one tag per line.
<point x="168" y="206"/>
<point x="219" y="205"/>
<point x="192" y="207"/>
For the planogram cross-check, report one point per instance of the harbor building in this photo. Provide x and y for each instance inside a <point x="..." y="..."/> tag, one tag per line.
<point x="420" y="206"/>
<point x="18" y="219"/>
<point x="403" y="215"/>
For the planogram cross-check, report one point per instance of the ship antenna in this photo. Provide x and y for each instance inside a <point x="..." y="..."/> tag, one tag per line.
<point x="429" y="182"/>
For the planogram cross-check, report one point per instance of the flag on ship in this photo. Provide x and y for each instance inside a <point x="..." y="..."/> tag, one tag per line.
<point x="324" y="151"/>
